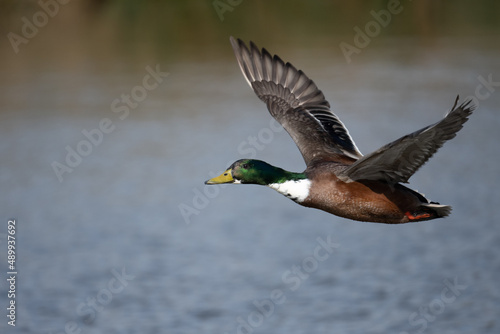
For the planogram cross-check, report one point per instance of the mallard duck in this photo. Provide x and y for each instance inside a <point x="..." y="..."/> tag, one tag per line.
<point x="338" y="178"/>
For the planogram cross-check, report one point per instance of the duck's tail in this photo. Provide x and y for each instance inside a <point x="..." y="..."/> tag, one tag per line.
<point x="427" y="211"/>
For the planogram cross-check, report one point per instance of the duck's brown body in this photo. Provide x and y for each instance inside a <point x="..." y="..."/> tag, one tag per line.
<point x="373" y="201"/>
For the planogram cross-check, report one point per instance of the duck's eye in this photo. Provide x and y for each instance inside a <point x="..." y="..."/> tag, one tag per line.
<point x="245" y="166"/>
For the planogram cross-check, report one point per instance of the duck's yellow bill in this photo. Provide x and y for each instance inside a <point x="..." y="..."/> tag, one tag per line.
<point x="225" y="177"/>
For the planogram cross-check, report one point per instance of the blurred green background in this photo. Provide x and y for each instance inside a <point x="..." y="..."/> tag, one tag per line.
<point x="110" y="31"/>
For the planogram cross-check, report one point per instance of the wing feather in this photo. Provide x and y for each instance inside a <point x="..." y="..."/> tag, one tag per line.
<point x="400" y="159"/>
<point x="296" y="102"/>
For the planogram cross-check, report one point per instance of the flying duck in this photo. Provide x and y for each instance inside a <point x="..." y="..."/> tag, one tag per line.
<point x="338" y="179"/>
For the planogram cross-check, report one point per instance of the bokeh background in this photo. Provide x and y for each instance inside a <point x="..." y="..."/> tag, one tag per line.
<point x="126" y="238"/>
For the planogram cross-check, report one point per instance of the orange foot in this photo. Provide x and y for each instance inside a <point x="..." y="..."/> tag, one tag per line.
<point x="417" y="217"/>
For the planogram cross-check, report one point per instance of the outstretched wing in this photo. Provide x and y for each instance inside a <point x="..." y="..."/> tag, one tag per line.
<point x="300" y="107"/>
<point x="399" y="160"/>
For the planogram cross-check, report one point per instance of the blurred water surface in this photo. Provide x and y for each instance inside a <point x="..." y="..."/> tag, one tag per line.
<point x="131" y="241"/>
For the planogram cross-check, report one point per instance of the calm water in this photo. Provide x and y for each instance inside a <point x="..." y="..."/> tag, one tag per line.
<point x="131" y="241"/>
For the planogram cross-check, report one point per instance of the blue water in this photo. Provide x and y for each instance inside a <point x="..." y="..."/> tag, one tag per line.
<point x="132" y="241"/>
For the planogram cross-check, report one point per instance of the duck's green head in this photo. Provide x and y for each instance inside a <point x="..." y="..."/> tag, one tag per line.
<point x="253" y="172"/>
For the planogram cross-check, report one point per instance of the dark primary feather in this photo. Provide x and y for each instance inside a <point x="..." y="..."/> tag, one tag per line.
<point x="399" y="160"/>
<point x="295" y="101"/>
